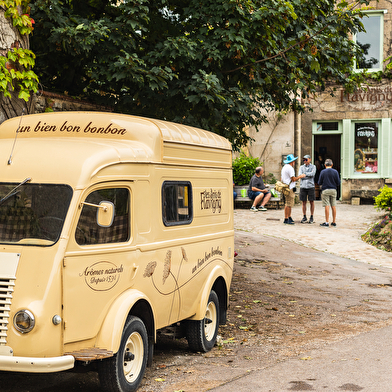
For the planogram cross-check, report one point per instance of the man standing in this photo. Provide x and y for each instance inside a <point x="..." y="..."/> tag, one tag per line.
<point x="288" y="177"/>
<point x="329" y="181"/>
<point x="257" y="191"/>
<point x="306" y="189"/>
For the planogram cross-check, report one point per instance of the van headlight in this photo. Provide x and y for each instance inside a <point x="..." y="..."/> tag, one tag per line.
<point x="24" y="321"/>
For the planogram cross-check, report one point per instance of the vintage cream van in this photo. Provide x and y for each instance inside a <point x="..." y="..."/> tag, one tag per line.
<point x="111" y="228"/>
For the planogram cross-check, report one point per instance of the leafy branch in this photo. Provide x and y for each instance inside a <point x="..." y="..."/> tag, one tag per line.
<point x="16" y="64"/>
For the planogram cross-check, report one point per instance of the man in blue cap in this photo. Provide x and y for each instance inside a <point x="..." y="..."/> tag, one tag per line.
<point x="288" y="177"/>
<point x="307" y="188"/>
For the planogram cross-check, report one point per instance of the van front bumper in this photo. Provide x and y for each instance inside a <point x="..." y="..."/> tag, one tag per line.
<point x="36" y="365"/>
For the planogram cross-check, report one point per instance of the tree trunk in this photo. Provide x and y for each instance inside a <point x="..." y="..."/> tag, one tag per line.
<point x="10" y="38"/>
<point x="14" y="106"/>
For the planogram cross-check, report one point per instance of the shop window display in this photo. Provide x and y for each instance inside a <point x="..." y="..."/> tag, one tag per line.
<point x="366" y="151"/>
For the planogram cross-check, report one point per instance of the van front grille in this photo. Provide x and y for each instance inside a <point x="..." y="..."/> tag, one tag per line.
<point x="6" y="290"/>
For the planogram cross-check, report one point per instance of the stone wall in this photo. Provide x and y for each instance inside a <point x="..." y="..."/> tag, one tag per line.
<point x="361" y="188"/>
<point x="274" y="140"/>
<point x="48" y="102"/>
<point x="51" y="102"/>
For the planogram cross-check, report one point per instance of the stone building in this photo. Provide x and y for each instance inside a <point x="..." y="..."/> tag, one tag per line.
<point x="274" y="141"/>
<point x="354" y="130"/>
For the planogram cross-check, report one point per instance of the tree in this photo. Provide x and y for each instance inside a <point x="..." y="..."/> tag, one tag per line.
<point x="17" y="80"/>
<point x="206" y="63"/>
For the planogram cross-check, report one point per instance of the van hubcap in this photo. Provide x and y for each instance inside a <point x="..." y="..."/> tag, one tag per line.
<point x="210" y="321"/>
<point x="133" y="357"/>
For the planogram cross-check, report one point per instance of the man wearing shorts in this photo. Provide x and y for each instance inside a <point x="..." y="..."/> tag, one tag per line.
<point x="288" y="177"/>
<point x="257" y="191"/>
<point x="329" y="181"/>
<point x="306" y="189"/>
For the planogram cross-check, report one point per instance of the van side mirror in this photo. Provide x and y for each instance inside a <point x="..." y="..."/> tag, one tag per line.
<point x="105" y="214"/>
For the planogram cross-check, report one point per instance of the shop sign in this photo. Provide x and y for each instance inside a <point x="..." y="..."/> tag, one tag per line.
<point x="370" y="95"/>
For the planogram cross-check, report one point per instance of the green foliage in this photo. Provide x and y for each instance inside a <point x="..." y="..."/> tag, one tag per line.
<point x="243" y="168"/>
<point x="383" y="201"/>
<point x="380" y="234"/>
<point x="270" y="178"/>
<point x="16" y="64"/>
<point x="210" y="64"/>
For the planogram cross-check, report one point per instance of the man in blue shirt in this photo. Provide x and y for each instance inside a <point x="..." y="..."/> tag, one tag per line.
<point x="329" y="181"/>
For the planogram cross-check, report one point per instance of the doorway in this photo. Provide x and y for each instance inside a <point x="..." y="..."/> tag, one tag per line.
<point x="327" y="146"/>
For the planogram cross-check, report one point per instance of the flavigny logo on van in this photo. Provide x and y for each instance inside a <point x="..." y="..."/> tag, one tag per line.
<point x="102" y="276"/>
<point x="90" y="128"/>
<point x="211" y="200"/>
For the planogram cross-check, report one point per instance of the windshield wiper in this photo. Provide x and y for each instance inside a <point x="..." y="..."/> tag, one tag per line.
<point x="13" y="191"/>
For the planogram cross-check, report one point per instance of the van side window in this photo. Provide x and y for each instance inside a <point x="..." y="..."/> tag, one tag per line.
<point x="176" y="203"/>
<point x="88" y="232"/>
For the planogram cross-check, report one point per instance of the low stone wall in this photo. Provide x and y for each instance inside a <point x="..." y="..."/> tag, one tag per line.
<point x="43" y="102"/>
<point x="51" y="102"/>
<point x="362" y="188"/>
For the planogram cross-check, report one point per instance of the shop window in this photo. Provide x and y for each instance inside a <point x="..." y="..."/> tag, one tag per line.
<point x="366" y="151"/>
<point x="89" y="232"/>
<point x="176" y="203"/>
<point x="371" y="42"/>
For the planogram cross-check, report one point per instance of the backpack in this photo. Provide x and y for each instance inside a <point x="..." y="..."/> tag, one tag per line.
<point x="282" y="188"/>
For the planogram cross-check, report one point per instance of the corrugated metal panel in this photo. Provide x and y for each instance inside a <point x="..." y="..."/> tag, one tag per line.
<point x="190" y="135"/>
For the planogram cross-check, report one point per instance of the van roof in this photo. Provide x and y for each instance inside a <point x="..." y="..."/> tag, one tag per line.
<point x="88" y="141"/>
<point x="108" y="126"/>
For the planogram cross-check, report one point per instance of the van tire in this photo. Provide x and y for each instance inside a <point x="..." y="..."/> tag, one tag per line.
<point x="121" y="374"/>
<point x="201" y="334"/>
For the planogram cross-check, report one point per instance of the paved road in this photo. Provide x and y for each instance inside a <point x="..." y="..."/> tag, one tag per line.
<point x="343" y="240"/>
<point x="361" y="363"/>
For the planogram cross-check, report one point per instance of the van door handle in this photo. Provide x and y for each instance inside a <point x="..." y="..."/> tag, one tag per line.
<point x="134" y="271"/>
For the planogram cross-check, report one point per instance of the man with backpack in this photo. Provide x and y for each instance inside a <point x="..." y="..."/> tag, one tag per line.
<point x="288" y="177"/>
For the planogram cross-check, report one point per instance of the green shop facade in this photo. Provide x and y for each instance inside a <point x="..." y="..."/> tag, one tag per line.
<point x="355" y="131"/>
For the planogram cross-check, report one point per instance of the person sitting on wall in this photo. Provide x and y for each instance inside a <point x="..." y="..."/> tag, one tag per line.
<point x="257" y="191"/>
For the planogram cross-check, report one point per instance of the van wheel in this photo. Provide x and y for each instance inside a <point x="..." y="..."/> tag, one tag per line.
<point x="124" y="371"/>
<point x="201" y="334"/>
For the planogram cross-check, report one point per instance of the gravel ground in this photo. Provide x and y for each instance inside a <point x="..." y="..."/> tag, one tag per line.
<point x="295" y="288"/>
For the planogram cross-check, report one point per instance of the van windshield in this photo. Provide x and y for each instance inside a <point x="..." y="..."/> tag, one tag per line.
<point x="32" y="214"/>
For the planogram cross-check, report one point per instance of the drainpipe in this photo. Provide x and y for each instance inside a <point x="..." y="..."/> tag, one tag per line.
<point x="297" y="138"/>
